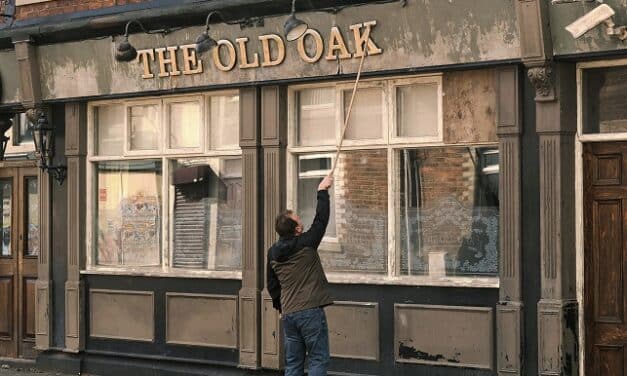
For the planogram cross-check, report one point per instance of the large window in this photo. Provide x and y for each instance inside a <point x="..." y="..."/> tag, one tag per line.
<point x="166" y="184"/>
<point x="407" y="203"/>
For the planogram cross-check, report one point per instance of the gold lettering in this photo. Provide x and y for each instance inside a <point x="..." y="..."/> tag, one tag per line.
<point x="319" y="45"/>
<point x="336" y="43"/>
<point x="217" y="60"/>
<point x="362" y="39"/>
<point x="191" y="64"/>
<point x="143" y="55"/>
<point x="171" y="61"/>
<point x="244" y="55"/>
<point x="267" y="51"/>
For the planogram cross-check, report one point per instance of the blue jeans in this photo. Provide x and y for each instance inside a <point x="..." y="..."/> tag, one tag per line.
<point x="306" y="332"/>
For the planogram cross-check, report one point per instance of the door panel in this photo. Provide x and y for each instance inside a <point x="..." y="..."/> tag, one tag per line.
<point x="19" y="249"/>
<point x="28" y="249"/>
<point x="6" y="307"/>
<point x="605" y="257"/>
<point x="8" y="264"/>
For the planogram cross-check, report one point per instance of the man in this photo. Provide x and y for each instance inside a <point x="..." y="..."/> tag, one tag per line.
<point x="299" y="288"/>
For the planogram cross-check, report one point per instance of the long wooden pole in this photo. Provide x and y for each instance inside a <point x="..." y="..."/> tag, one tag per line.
<point x="350" y="109"/>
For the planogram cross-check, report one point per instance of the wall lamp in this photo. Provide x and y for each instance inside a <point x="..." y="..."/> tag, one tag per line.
<point x="294" y="28"/>
<point x="43" y="137"/>
<point x="6" y="121"/>
<point x="204" y="42"/>
<point x="125" y="50"/>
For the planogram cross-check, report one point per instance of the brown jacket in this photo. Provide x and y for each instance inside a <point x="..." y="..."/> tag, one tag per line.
<point x="295" y="277"/>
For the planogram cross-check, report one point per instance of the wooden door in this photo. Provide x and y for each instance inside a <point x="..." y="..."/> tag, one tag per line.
<point x="19" y="249"/>
<point x="605" y="260"/>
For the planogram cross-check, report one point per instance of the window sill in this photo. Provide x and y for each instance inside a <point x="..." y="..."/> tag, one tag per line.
<point x="173" y="273"/>
<point x="469" y="282"/>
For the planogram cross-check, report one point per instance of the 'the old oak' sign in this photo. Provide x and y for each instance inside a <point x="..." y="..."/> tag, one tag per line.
<point x="165" y="61"/>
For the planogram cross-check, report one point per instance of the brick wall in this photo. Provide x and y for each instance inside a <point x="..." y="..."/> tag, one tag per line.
<point x="54" y="7"/>
<point x="361" y="204"/>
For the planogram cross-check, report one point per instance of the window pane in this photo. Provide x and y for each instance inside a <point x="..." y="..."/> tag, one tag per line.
<point x="144" y="127"/>
<point x="604" y="91"/>
<point x="224" y="121"/>
<point x="316" y="116"/>
<point x="449" y="211"/>
<point x="311" y="170"/>
<point x="6" y="189"/>
<point x="417" y="110"/>
<point x="184" y="125"/>
<point x="110" y="129"/>
<point x="357" y="232"/>
<point x="128" y="213"/>
<point x="24" y="134"/>
<point x="366" y="120"/>
<point x="32" y="217"/>
<point x="206" y="196"/>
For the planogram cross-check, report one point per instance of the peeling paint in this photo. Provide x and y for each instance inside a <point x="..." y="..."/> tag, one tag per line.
<point x="408" y="352"/>
<point x="422" y="34"/>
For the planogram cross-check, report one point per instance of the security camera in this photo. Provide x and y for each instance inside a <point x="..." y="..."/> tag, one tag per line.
<point x="590" y="20"/>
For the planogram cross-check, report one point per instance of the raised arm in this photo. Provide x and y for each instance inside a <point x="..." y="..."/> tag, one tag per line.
<point x="314" y="235"/>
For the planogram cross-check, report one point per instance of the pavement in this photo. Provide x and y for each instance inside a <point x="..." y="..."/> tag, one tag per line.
<point x="26" y="370"/>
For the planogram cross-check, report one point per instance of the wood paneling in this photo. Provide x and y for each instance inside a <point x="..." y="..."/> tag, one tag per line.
<point x="117" y="314"/>
<point x="444" y="335"/>
<point x="354" y="330"/>
<point x="28" y="304"/>
<point x="201" y="320"/>
<point x="605" y="258"/>
<point x="6" y="306"/>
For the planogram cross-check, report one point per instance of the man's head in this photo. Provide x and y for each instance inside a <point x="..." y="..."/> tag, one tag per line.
<point x="288" y="224"/>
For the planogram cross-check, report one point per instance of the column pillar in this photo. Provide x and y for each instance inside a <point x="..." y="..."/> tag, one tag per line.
<point x="273" y="140"/>
<point x="556" y="121"/>
<point x="75" y="152"/>
<point x="252" y="243"/>
<point x="509" y="312"/>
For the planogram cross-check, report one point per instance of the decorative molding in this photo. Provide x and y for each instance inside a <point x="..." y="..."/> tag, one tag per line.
<point x="542" y="79"/>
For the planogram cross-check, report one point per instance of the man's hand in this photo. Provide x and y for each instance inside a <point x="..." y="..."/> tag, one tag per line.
<point x="326" y="183"/>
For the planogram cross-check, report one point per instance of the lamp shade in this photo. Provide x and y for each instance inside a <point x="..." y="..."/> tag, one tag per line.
<point x="205" y="43"/>
<point x="125" y="51"/>
<point x="294" y="28"/>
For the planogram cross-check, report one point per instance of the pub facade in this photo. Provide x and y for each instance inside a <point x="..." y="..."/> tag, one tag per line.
<point x="475" y="215"/>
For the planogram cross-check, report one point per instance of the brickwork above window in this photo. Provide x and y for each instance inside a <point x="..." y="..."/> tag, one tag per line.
<point x="54" y="7"/>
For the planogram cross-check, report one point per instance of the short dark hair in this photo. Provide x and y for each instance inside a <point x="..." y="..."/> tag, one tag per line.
<point x="284" y="224"/>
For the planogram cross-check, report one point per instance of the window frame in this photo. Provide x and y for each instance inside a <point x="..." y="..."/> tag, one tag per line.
<point x="392" y="144"/>
<point x="166" y="156"/>
<point x="165" y="113"/>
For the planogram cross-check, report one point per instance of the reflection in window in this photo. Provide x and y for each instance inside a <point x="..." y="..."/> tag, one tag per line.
<point x="31" y="247"/>
<point x="224" y="121"/>
<point x="366" y="122"/>
<point x="206" y="200"/>
<point x="449" y="209"/>
<point x="417" y="110"/>
<point x="184" y="123"/>
<point x="604" y="91"/>
<point x="24" y="135"/>
<point x="359" y="209"/>
<point x="128" y="209"/>
<point x="311" y="170"/>
<point x="316" y="116"/>
<point x="144" y="127"/>
<point x="6" y="189"/>
<point x="109" y="123"/>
